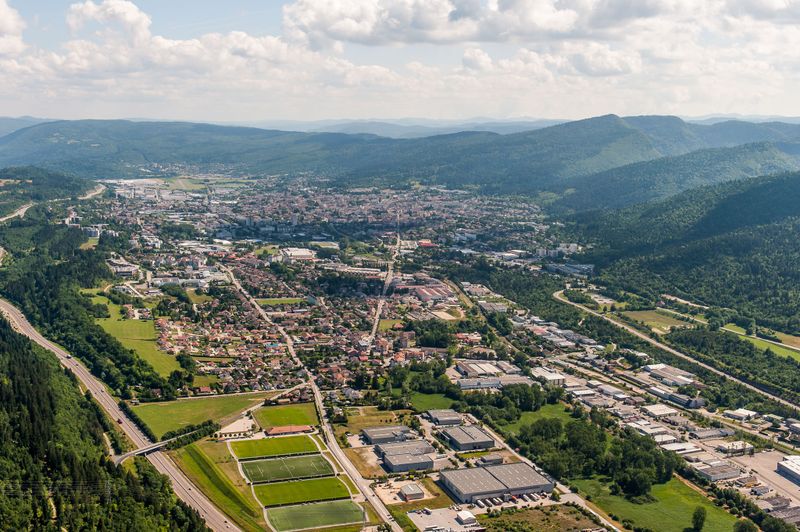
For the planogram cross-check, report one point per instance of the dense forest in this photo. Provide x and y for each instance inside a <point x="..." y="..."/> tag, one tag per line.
<point x="24" y="185"/>
<point x="733" y="245"/>
<point x="55" y="471"/>
<point x="43" y="278"/>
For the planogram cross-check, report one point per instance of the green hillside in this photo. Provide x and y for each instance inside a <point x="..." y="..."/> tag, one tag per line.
<point x="733" y="245"/>
<point x="667" y="176"/>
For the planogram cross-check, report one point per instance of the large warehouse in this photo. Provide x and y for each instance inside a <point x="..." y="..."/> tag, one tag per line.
<point x="468" y="438"/>
<point x="469" y="485"/>
<point x="405" y="447"/>
<point x="375" y="435"/>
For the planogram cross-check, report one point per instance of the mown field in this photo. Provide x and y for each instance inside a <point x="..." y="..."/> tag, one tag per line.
<point x="213" y="471"/>
<point x="547" y="411"/>
<point x="266" y="447"/>
<point x="318" y="515"/>
<point x="172" y="415"/>
<point x="299" y="491"/>
<point x="671" y="511"/>
<point x="295" y="467"/>
<point x="282" y="415"/>
<point x="367" y="416"/>
<point x="429" y="401"/>
<point x="139" y="335"/>
<point x="659" y="322"/>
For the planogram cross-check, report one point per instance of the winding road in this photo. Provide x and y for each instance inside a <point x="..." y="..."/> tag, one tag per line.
<point x="560" y="297"/>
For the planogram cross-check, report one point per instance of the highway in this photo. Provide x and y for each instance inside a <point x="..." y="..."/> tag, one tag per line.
<point x="181" y="484"/>
<point x="333" y="444"/>
<point x="560" y="297"/>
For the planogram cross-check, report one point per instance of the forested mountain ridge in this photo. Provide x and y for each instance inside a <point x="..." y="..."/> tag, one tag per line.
<point x="529" y="162"/>
<point x="667" y="176"/>
<point x="732" y="245"/>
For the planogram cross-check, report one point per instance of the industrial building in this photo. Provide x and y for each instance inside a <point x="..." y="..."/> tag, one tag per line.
<point x="404" y="447"/>
<point x="376" y="435"/>
<point x="444" y="417"/>
<point x="718" y="470"/>
<point x="790" y="468"/>
<point x="499" y="481"/>
<point x="468" y="438"/>
<point x="411" y="492"/>
<point x="400" y="463"/>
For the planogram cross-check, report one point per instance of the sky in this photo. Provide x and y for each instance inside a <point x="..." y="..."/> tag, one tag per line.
<point x="251" y="60"/>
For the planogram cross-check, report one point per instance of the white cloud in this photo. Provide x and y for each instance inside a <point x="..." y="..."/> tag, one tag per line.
<point x="11" y="28"/>
<point x="555" y="58"/>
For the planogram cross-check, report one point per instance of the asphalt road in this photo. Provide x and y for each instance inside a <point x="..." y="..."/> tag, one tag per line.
<point x="333" y="444"/>
<point x="560" y="297"/>
<point x="181" y="484"/>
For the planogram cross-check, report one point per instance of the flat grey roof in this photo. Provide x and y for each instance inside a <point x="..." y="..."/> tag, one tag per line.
<point x="411" y="489"/>
<point x="475" y="480"/>
<point x="468" y="434"/>
<point x="405" y="447"/>
<point x="517" y="476"/>
<point x="497" y="478"/>
<point x="406" y="459"/>
<point x="385" y="431"/>
<point x="445" y="413"/>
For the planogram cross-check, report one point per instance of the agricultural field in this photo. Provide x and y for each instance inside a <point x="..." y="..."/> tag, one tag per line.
<point x="658" y="322"/>
<point x="267" y="447"/>
<point x="546" y="411"/>
<point x="275" y="301"/>
<point x="429" y="401"/>
<point x="555" y="518"/>
<point x="300" y="491"/>
<point x="317" y="515"/>
<point x="295" y="467"/>
<point x="212" y="469"/>
<point x="282" y="415"/>
<point x="138" y="335"/>
<point x="671" y="511"/>
<point x="166" y="416"/>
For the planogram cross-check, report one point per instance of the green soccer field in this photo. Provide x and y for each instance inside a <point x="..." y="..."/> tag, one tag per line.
<point x="282" y="415"/>
<point x="297" y="491"/>
<point x="315" y="515"/>
<point x="295" y="467"/>
<point x="266" y="447"/>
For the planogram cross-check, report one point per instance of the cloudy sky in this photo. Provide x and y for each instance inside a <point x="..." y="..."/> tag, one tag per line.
<point x="237" y="60"/>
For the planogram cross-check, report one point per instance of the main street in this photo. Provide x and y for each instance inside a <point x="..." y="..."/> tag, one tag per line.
<point x="560" y="297"/>
<point x="181" y="484"/>
<point x="362" y="484"/>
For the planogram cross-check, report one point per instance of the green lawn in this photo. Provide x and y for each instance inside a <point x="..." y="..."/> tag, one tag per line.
<point x="91" y="243"/>
<point x="429" y="401"/>
<point x="197" y="298"/>
<point x="763" y="344"/>
<point x="297" y="491"/>
<point x="139" y="335"/>
<point x="200" y="468"/>
<point x="282" y="415"/>
<point x="316" y="515"/>
<point x="274" y="301"/>
<point x="547" y="411"/>
<point x="293" y="467"/>
<point x="171" y="415"/>
<point x="672" y="511"/>
<point x="385" y="325"/>
<point x="282" y="446"/>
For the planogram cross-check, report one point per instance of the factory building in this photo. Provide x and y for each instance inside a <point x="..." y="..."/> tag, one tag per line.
<point x="392" y="433"/>
<point x="468" y="438"/>
<point x="499" y="481"/>
<point x="444" y="417"/>
<point x="400" y="463"/>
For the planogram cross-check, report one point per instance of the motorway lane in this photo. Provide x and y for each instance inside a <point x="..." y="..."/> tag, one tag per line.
<point x="181" y="484"/>
<point x="560" y="297"/>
